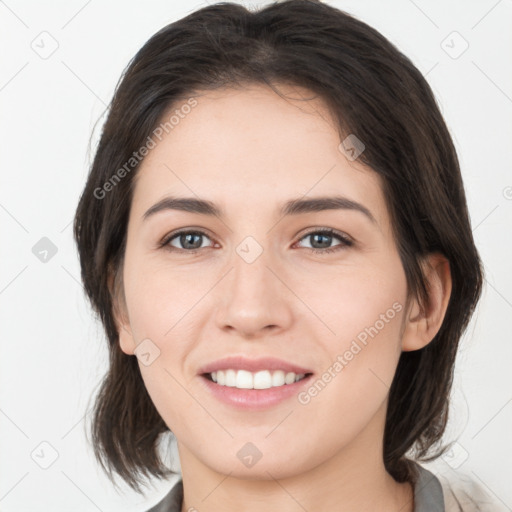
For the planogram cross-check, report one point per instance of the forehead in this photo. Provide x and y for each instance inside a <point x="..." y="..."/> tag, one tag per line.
<point x="251" y="147"/>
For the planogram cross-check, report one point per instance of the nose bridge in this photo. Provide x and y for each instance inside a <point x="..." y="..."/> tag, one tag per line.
<point x="253" y="298"/>
<point x="250" y="273"/>
<point x="250" y="280"/>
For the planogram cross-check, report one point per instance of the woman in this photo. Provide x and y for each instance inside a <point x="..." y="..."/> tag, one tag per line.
<point x="275" y="236"/>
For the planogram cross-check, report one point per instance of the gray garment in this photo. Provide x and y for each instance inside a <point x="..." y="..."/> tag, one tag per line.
<point x="172" y="502"/>
<point x="428" y="495"/>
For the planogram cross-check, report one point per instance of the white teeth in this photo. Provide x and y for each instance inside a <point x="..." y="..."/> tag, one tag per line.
<point x="290" y="378"/>
<point x="263" y="379"/>
<point x="243" y="379"/>
<point x="278" y="378"/>
<point x="230" y="378"/>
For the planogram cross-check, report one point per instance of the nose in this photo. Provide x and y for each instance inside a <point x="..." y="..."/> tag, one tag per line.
<point x="254" y="299"/>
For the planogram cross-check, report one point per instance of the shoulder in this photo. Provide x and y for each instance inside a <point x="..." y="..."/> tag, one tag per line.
<point x="437" y="489"/>
<point x="172" y="501"/>
<point x="461" y="492"/>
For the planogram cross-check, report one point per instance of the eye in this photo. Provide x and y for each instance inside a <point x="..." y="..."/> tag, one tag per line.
<point x="190" y="241"/>
<point x="324" y="237"/>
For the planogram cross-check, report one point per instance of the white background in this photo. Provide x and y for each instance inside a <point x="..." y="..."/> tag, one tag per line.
<point x="54" y="352"/>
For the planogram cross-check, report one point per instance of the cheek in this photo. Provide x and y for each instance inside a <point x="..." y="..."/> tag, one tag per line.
<point x="159" y="307"/>
<point x="161" y="299"/>
<point x="354" y="386"/>
<point x="356" y="302"/>
<point x="161" y="310"/>
<point x="365" y="312"/>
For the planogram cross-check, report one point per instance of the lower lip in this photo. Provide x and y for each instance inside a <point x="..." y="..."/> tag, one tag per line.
<point x="254" y="399"/>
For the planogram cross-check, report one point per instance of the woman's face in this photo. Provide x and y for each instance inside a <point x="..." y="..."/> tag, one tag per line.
<point x="255" y="288"/>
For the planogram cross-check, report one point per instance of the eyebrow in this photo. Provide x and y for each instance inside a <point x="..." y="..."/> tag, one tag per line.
<point x="291" y="207"/>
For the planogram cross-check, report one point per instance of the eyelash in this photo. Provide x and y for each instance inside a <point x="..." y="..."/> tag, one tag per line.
<point x="344" y="239"/>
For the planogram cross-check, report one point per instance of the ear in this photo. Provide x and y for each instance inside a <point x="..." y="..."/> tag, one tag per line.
<point x="423" y="323"/>
<point x="120" y="312"/>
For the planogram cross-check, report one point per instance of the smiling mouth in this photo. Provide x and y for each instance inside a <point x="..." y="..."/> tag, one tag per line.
<point x="264" y="379"/>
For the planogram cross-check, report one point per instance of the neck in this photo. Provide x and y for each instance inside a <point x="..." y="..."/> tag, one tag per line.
<point x="353" y="479"/>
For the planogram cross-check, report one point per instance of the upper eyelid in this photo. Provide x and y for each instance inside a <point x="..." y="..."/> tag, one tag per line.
<point x="330" y="231"/>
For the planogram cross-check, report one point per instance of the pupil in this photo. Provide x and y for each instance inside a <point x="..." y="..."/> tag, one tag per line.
<point x="326" y="244"/>
<point x="185" y="238"/>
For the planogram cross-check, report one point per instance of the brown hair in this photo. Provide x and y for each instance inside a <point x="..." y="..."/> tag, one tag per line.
<point x="374" y="92"/>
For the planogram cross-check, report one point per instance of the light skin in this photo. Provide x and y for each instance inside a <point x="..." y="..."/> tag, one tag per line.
<point x="249" y="151"/>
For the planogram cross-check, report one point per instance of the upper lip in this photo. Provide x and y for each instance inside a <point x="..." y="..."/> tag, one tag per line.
<point x="252" y="365"/>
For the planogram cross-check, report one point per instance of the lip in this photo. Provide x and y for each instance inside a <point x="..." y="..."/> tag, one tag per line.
<point x="254" y="399"/>
<point x="252" y="365"/>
